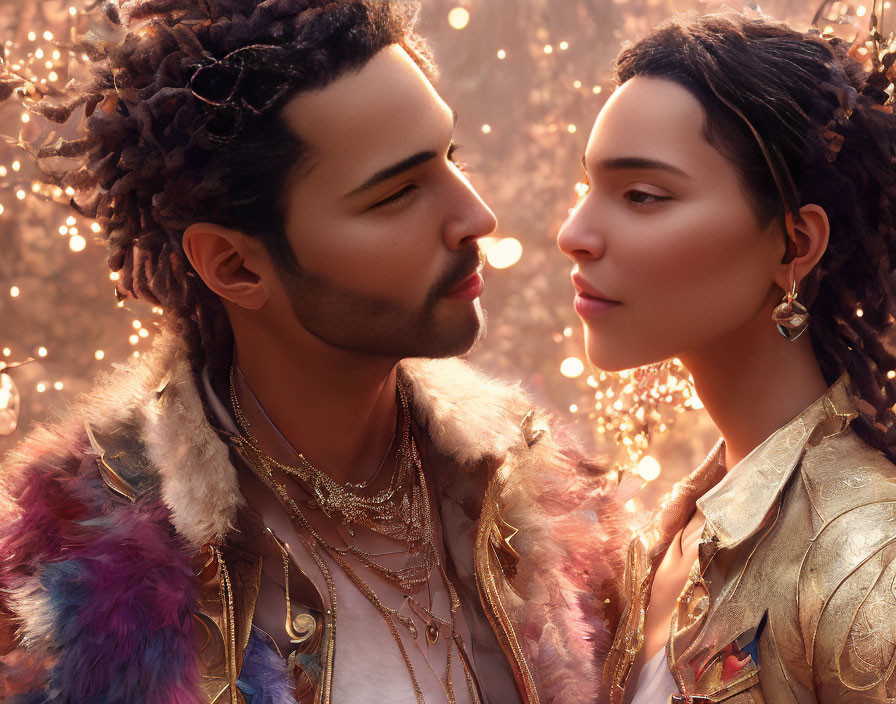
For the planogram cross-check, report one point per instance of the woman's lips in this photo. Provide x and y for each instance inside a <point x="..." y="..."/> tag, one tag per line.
<point x="469" y="289"/>
<point x="589" y="307"/>
<point x="591" y="301"/>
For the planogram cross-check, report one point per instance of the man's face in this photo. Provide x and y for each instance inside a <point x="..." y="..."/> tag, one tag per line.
<point x="383" y="224"/>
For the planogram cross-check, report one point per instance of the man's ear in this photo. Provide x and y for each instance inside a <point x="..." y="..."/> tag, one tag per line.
<point x="228" y="262"/>
<point x="808" y="232"/>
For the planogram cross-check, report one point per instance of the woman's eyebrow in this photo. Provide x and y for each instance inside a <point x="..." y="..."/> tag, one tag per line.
<point x="635" y="163"/>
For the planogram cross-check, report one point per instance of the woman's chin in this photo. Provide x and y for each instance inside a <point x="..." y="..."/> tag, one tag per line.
<point x="607" y="357"/>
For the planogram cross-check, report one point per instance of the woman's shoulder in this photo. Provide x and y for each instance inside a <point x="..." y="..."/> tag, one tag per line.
<point x="843" y="476"/>
<point x="847" y="606"/>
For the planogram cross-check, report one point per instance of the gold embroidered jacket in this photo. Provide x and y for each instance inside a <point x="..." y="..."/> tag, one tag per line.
<point x="126" y="572"/>
<point x="793" y="596"/>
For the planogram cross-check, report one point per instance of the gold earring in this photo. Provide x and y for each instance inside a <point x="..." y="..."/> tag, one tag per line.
<point x="791" y="316"/>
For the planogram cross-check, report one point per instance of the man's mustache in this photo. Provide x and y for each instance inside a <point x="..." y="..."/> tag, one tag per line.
<point x="469" y="262"/>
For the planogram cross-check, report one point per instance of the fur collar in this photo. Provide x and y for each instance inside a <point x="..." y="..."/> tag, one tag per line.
<point x="467" y="415"/>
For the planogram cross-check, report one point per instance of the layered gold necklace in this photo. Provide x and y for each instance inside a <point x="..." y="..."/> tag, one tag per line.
<point x="400" y="512"/>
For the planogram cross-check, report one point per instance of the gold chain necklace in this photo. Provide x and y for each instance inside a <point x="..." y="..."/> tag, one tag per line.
<point x="411" y="523"/>
<point x="390" y="615"/>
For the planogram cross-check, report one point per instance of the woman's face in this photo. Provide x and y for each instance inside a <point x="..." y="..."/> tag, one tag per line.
<point x="670" y="259"/>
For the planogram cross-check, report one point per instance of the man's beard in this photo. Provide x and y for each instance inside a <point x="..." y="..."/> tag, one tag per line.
<point x="361" y="323"/>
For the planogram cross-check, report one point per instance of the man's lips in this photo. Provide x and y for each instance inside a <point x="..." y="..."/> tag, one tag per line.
<point x="470" y="287"/>
<point x="587" y="290"/>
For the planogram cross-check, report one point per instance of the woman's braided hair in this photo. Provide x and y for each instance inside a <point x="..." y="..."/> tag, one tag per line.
<point x="804" y="122"/>
<point x="183" y="125"/>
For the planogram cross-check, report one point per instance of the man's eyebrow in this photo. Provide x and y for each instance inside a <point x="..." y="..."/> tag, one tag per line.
<point x="393" y="171"/>
<point x="635" y="163"/>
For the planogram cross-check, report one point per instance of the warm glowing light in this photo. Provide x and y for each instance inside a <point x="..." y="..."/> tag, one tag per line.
<point x="861" y="10"/>
<point x="486" y="129"/>
<point x="56" y="54"/>
<point x="505" y="253"/>
<point x="48" y="35"/>
<point x="58" y="386"/>
<point x="567" y="332"/>
<point x="136" y="355"/>
<point x="630" y="506"/>
<point x="99" y="355"/>
<point x="41" y="387"/>
<point x="95" y="227"/>
<point x="69" y="191"/>
<point x="63" y="230"/>
<point x="459" y="18"/>
<point x="137" y="325"/>
<point x="20" y="194"/>
<point x="548" y="49"/>
<point x="77" y="243"/>
<point x="14" y="292"/>
<point x="582" y="189"/>
<point x="648" y="468"/>
<point x="572" y="129"/>
<point x="143" y="332"/>
<point x="16" y="165"/>
<point x="502" y="54"/>
<point x="572" y="367"/>
<point x="32" y="36"/>
<point x="596" y="90"/>
<point x="114" y="276"/>
<point x="859" y="312"/>
<point x="70" y="220"/>
<point x="891" y="374"/>
<point x="134" y="339"/>
<point x="7" y="351"/>
<point x="42" y="352"/>
<point x="3" y="171"/>
<point x="73" y="11"/>
<point x="26" y="117"/>
<point x="53" y="76"/>
<point x="576" y="84"/>
<point x="564" y="46"/>
<point x="573" y="408"/>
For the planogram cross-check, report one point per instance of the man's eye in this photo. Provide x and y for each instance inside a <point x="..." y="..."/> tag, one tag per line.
<point x="397" y="197"/>
<point x="452" y="151"/>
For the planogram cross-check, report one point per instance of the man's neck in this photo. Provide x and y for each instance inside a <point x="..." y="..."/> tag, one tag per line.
<point x="336" y="408"/>
<point x="755" y="382"/>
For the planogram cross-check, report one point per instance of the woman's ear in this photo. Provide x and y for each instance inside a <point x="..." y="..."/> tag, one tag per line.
<point x="808" y="232"/>
<point x="228" y="262"/>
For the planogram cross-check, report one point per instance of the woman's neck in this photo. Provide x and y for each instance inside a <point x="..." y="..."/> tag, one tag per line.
<point x="753" y="383"/>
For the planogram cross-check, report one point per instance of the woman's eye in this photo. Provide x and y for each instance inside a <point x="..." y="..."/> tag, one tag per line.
<point x="397" y="197"/>
<point x="641" y="198"/>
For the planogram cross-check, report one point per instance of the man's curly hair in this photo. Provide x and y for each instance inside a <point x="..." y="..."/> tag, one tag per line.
<point x="165" y="145"/>
<point x="804" y="123"/>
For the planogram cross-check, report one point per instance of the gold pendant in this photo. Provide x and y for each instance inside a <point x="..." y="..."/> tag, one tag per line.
<point x="432" y="633"/>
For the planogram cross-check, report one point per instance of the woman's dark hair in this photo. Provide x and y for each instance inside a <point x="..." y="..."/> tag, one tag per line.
<point x="804" y="123"/>
<point x="183" y="124"/>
